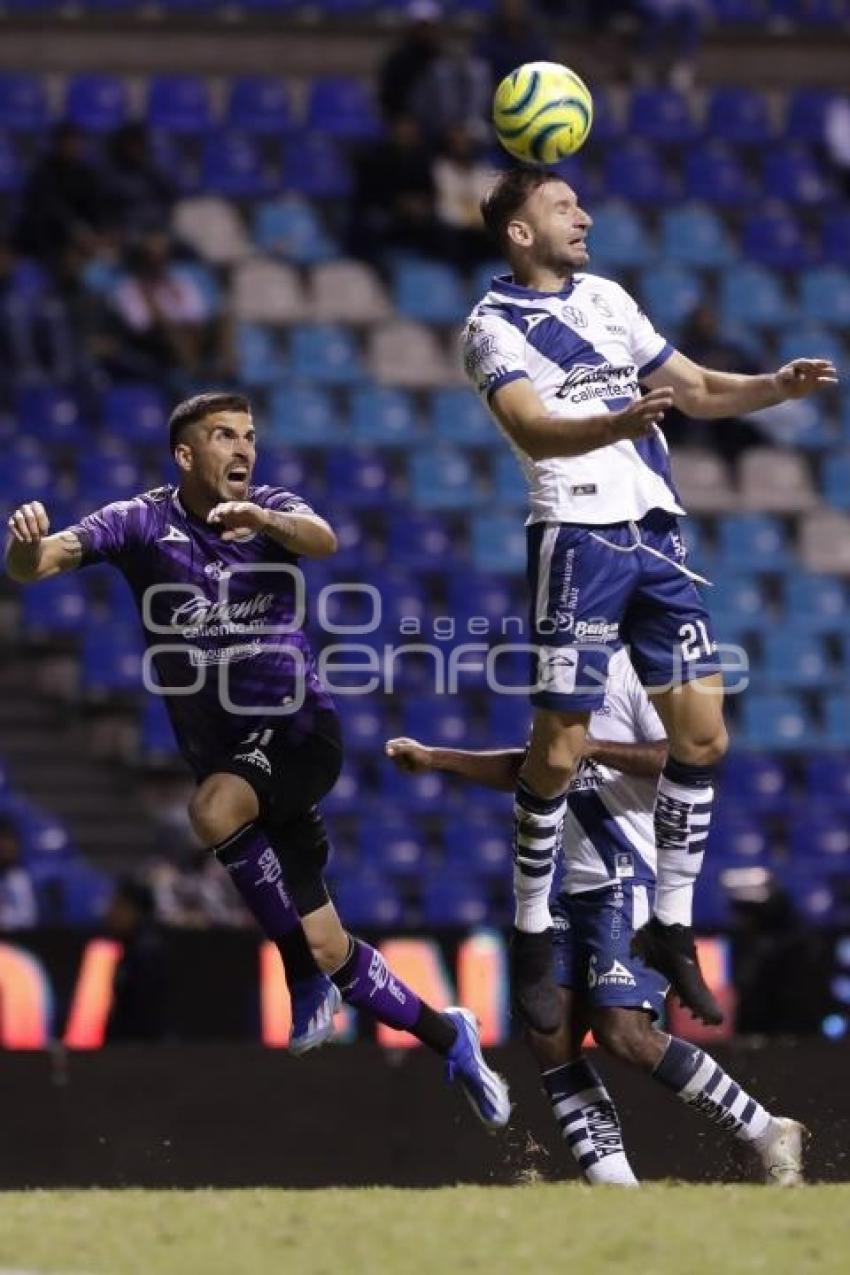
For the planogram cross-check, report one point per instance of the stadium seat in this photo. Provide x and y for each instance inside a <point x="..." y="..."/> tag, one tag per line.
<point x="835" y="238"/>
<point x="367" y="899"/>
<point x="510" y="490"/>
<point x="836" y="712"/>
<point x="359" y="478"/>
<point x="409" y="355"/>
<point x="828" y="780"/>
<point x="392" y="847"/>
<point x="213" y="228"/>
<point x="364" y="726"/>
<point x="737" y="835"/>
<point x="805" y="119"/>
<point x="695" y="236"/>
<point x="618" y="236"/>
<point x="442" y="720"/>
<point x="607" y="124"/>
<point x="752" y="294"/>
<point x="115" y="477"/>
<point x="821" y="833"/>
<point x="315" y="166"/>
<point x="23" y="102"/>
<point x="260" y="104"/>
<point x="96" y="102"/>
<point x="290" y="228"/>
<point x="430" y="292"/>
<point x="746" y="11"/>
<point x="426" y="791"/>
<point x="824" y="542"/>
<point x="756" y="539"/>
<point x="304" y="416"/>
<point x="383" y="417"/>
<point x="31" y="478"/>
<point x="488" y="597"/>
<point x="791" y="173"/>
<point x="460" y="418"/>
<point x="739" y="599"/>
<point x="498" y="543"/>
<point x="825" y="296"/>
<point x="483" y="275"/>
<point x="111" y="660"/>
<point x="342" y="107"/>
<point x="816" y="602"/>
<point x="671" y="293"/>
<point x="233" y="166"/>
<point x="714" y="174"/>
<point x="661" y="115"/>
<point x="835" y="480"/>
<point x="419" y="541"/>
<point x="775" y="481"/>
<point x="267" y="291"/>
<point x="635" y="172"/>
<point x="810" y="342"/>
<point x="454" y="900"/>
<point x="259" y="357"/>
<point x="57" y="607"/>
<point x="136" y="413"/>
<point x="179" y="103"/>
<point x="757" y="782"/>
<point x="12" y="173"/>
<point x="348" y="292"/>
<point x="157" y="744"/>
<point x="53" y="415"/>
<point x="703" y="481"/>
<point x="775" y="238"/>
<point x="739" y="115"/>
<point x="795" y="661"/>
<point x="478" y="846"/>
<point x="442" y="478"/>
<point x="775" y="722"/>
<point x="324" y="353"/>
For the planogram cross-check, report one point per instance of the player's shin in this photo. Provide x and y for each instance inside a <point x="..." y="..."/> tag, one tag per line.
<point x="683" y="811"/>
<point x="589" y="1123"/>
<point x="366" y="981"/>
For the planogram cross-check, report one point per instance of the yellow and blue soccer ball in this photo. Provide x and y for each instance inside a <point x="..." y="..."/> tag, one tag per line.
<point x="542" y="112"/>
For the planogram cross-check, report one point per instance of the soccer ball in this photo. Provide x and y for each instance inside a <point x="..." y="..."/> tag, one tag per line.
<point x="542" y="111"/>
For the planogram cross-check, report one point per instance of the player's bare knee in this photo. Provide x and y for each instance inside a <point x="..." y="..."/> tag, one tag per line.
<point x="218" y="808"/>
<point x="703" y="748"/>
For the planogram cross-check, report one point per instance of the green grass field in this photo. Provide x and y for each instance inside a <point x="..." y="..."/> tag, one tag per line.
<point x="683" y="1230"/>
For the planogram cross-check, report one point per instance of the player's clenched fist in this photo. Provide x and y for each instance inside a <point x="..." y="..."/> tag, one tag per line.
<point x="238" y="518"/>
<point x="29" y="523"/>
<point x="409" y="755"/>
<point x="639" y="419"/>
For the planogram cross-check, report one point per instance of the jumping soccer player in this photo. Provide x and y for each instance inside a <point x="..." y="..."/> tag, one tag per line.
<point x="560" y="357"/>
<point x="606" y="893"/>
<point x="212" y="565"/>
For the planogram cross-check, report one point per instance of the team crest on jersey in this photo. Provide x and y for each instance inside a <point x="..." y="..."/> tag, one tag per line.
<point x="602" y="305"/>
<point x="575" y="316"/>
<point x="215" y="570"/>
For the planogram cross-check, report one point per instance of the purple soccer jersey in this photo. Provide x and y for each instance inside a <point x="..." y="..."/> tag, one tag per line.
<point x="223" y="619"/>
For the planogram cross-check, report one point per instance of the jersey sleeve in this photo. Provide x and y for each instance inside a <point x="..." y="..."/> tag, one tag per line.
<point x="493" y="353"/>
<point x="283" y="502"/>
<point x="649" y="348"/>
<point x="111" y="534"/>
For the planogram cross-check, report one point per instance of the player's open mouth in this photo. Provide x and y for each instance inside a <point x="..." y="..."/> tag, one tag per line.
<point x="237" y="476"/>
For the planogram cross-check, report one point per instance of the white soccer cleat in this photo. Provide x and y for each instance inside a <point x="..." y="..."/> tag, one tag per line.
<point x="780" y="1150"/>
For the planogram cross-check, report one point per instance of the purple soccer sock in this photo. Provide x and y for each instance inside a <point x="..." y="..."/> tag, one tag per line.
<point x="255" y="870"/>
<point x="365" y="980"/>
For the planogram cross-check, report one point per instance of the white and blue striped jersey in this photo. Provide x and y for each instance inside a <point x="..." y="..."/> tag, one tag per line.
<point x="609" y="831"/>
<point x="585" y="350"/>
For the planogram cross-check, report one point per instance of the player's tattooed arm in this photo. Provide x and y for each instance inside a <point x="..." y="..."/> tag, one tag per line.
<point x="308" y="535"/>
<point x="644" y="760"/>
<point x="31" y="553"/>
<point x="706" y="394"/>
<point x="497" y="769"/>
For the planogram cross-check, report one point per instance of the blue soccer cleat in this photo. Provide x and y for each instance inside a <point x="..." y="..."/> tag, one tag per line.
<point x="314" y="1002"/>
<point x="487" y="1092"/>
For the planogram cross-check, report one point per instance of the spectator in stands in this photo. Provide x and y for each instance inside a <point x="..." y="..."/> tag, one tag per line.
<point x="394" y="203"/>
<point x="196" y="894"/>
<point x="511" y="37"/>
<point x="63" y="200"/>
<point x="837" y="138"/>
<point x="138" y="195"/>
<point x="461" y="179"/>
<point x="18" y="906"/>
<point x="702" y="342"/>
<point x="410" y="59"/>
<point x="20" y="320"/>
<point x="168" y="326"/>
<point x="457" y="88"/>
<point x="669" y="40"/>
<point x="140" y="1008"/>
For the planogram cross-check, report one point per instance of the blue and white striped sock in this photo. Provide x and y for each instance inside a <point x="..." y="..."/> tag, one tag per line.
<point x="702" y="1083"/>
<point x="538" y="825"/>
<point x="682" y="819"/>
<point x="589" y="1124"/>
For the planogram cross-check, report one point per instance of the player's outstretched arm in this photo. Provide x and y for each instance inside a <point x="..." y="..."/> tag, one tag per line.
<point x="520" y="412"/>
<point x="498" y="769"/>
<point x="705" y="394"/>
<point x="31" y="553"/>
<point x="308" y="535"/>
<point x="643" y="760"/>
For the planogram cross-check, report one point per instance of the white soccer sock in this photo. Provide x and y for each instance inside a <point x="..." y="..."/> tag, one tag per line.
<point x="682" y="817"/>
<point x="538" y="825"/>
<point x="702" y="1083"/>
<point x="589" y="1123"/>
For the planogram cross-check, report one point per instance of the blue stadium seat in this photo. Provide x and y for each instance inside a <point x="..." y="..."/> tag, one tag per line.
<point x="358" y="478"/>
<point x="314" y="165"/>
<point x="305" y="416"/>
<point x="348" y="794"/>
<point x="478" y="846"/>
<point x="491" y="598"/>
<point x="695" y="236"/>
<point x="402" y="596"/>
<point x="775" y="722"/>
<point x="835" y="238"/>
<point x="87" y="893"/>
<point x="118" y="477"/>
<point x="419" y="541"/>
<point x="508" y="721"/>
<point x="670" y="293"/>
<point x="821" y="833"/>
<point x="57" y="606"/>
<point x="325" y="353"/>
<point x="825" y="296"/>
<point x="634" y="171"/>
<point x="426" y="791"/>
<point x="392" y="847"/>
<point x="813" y="893"/>
<point x="835" y="479"/>
<point x="483" y="276"/>
<point x="179" y="103"/>
<point x="383" y="417"/>
<point x="442" y="478"/>
<point x="232" y="165"/>
<point x="342" y="107"/>
<point x="364" y="726"/>
<point x="97" y="102"/>
<point x="791" y="173"/>
<point x="795" y="661"/>
<point x="136" y="413"/>
<point x="111" y="660"/>
<point x="746" y="11"/>
<point x="738" y="598"/>
<point x="260" y="104"/>
<point x="31" y="478"/>
<point x="836" y="712"/>
<point x="430" y="292"/>
<point x="755" y="781"/>
<point x="816" y="602"/>
<point x="739" y="115"/>
<point x="810" y="342"/>
<point x="810" y="12"/>
<point x="259" y="357"/>
<point x="11" y="167"/>
<point x="498" y="543"/>
<point x="805" y="119"/>
<point x="450" y="900"/>
<point x="737" y="835"/>
<point x="23" y="102"/>
<point x="53" y="415"/>
<point x="756" y="539"/>
<point x="714" y="173"/>
<point x="156" y="737"/>
<point x="618" y="236"/>
<point x="775" y="238"/>
<point x="712" y="910"/>
<point x="752" y="294"/>
<point x="291" y="228"/>
<point x="828" y="780"/>
<point x="367" y="899"/>
<point x="510" y="490"/>
<point x="442" y="720"/>
<point x="661" y="115"/>
<point x="461" y="418"/>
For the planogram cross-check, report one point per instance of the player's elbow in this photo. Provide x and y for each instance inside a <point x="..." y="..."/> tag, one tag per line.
<point x="323" y="542"/>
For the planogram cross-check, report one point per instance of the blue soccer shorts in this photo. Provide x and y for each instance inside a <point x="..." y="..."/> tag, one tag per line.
<point x="593" y="932"/>
<point x="595" y="589"/>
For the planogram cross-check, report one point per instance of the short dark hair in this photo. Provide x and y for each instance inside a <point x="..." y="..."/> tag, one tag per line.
<point x="199" y="407"/>
<point x="501" y="204"/>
